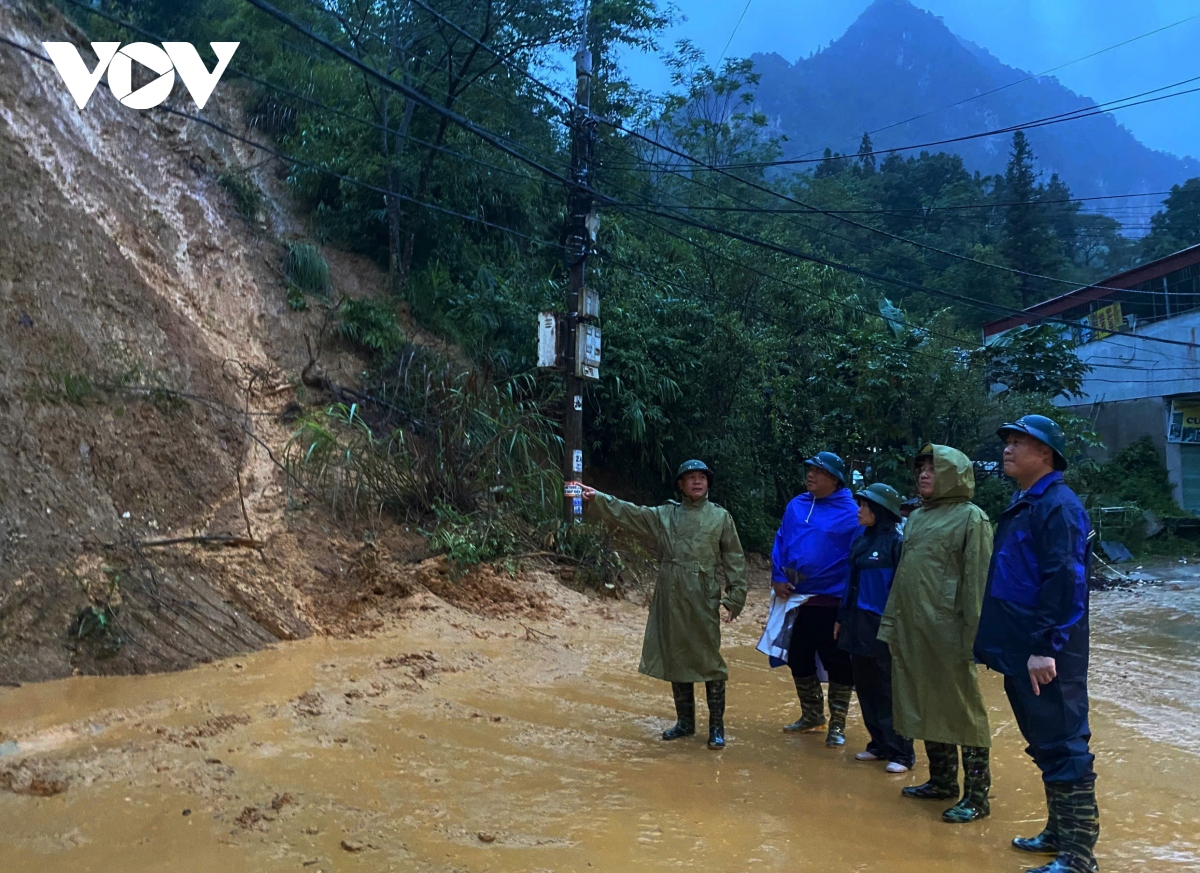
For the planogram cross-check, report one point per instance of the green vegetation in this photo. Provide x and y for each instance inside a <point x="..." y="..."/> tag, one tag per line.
<point x="469" y="541"/>
<point x="1177" y="226"/>
<point x="750" y="356"/>
<point x="1135" y="475"/>
<point x="370" y="325"/>
<point x="247" y="197"/>
<point x="306" y="271"/>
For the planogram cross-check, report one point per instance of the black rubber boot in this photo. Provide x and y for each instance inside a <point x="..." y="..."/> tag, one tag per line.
<point x="1045" y="843"/>
<point x="685" y="711"/>
<point x="943" y="774"/>
<point x="812" y="705"/>
<point x="839" y="706"/>
<point x="1078" y="828"/>
<point x="977" y="782"/>
<point x="714" y="692"/>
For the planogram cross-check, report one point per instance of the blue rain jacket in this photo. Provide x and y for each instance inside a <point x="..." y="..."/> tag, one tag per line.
<point x="812" y="547"/>
<point x="874" y="555"/>
<point x="1036" y="599"/>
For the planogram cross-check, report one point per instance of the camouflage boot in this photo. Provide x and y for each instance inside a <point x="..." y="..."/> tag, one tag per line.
<point x="812" y="705"/>
<point x="943" y="774"/>
<point x="1045" y="843"/>
<point x="977" y="781"/>
<point x="715" y="694"/>
<point x="839" y="705"/>
<point x="1078" y="828"/>
<point x="685" y="710"/>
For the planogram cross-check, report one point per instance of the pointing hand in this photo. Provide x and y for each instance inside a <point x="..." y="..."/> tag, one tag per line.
<point x="1042" y="671"/>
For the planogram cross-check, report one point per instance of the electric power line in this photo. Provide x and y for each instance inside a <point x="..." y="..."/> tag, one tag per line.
<point x="1027" y="78"/>
<point x="490" y="138"/>
<point x="412" y="93"/>
<point x="733" y="33"/>
<point x="475" y="219"/>
<point x="281" y="89"/>
<point x="980" y="305"/>
<point x="1073" y="115"/>
<point x="325" y="171"/>
<point x="929" y="210"/>
<point x="368" y="186"/>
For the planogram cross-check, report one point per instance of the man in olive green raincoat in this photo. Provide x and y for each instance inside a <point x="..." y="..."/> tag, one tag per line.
<point x="683" y="632"/>
<point x="930" y="622"/>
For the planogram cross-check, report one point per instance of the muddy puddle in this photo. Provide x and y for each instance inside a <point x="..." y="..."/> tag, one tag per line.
<point x="454" y="742"/>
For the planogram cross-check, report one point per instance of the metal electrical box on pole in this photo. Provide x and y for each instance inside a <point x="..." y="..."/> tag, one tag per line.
<point x="582" y="340"/>
<point x="587" y="352"/>
<point x="551" y="334"/>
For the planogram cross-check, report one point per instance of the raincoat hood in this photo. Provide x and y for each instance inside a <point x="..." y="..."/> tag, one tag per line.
<point x="953" y="475"/>
<point x="933" y="609"/>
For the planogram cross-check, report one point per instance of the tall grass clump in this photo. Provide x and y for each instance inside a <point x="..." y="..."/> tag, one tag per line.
<point x="306" y="271"/>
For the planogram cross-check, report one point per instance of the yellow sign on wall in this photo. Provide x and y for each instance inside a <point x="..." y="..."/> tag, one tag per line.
<point x="1185" y="421"/>
<point x="1106" y="321"/>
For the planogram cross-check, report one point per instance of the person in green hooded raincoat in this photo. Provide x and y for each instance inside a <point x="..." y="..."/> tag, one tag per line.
<point x="682" y="644"/>
<point x="929" y="623"/>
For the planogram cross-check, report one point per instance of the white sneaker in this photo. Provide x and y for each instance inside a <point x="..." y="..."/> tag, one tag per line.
<point x="867" y="756"/>
<point x="896" y="767"/>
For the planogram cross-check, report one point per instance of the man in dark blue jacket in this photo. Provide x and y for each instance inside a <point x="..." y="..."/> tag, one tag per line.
<point x="1034" y="630"/>
<point x="811" y="558"/>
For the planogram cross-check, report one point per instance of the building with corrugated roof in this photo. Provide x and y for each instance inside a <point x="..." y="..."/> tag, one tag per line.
<point x="1137" y="386"/>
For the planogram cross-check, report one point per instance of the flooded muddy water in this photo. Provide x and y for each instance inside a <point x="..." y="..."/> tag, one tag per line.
<point x="455" y="742"/>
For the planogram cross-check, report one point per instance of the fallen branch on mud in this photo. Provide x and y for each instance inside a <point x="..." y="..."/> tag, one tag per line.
<point x="536" y="636"/>
<point x="207" y="539"/>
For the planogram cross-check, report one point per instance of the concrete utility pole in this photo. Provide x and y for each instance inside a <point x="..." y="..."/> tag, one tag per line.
<point x="582" y="346"/>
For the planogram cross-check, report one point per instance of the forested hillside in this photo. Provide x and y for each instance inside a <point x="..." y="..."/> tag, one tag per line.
<point x="750" y="350"/>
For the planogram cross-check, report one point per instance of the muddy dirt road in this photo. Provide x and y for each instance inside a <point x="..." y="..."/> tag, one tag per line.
<point x="457" y="742"/>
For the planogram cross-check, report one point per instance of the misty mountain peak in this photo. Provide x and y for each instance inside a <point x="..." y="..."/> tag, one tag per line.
<point x="898" y="63"/>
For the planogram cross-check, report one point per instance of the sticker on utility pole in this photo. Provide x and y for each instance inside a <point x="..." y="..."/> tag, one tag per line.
<point x="579" y="403"/>
<point x="577" y="461"/>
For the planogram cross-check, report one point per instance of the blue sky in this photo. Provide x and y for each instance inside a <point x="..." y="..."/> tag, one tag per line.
<point x="1032" y="35"/>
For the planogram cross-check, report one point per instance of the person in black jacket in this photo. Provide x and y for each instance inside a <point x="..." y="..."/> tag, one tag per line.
<point x="1034" y="630"/>
<point x="874" y="555"/>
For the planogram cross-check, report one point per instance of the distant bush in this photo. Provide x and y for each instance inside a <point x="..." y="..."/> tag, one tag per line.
<point x="1135" y="479"/>
<point x="1135" y="476"/>
<point x="993" y="495"/>
<point x="268" y="113"/>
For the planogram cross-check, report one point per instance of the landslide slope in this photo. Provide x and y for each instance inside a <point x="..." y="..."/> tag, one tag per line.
<point x="147" y="350"/>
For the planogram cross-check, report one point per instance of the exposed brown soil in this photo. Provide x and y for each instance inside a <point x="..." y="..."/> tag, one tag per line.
<point x="484" y="590"/>
<point x="150" y="355"/>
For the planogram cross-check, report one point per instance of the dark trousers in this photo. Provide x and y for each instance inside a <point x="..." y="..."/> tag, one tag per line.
<point x="812" y="635"/>
<point x="1055" y="724"/>
<point x="873" y="682"/>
